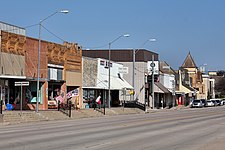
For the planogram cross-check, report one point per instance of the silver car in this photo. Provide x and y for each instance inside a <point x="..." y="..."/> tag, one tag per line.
<point x="197" y="103"/>
<point x="209" y="103"/>
<point x="215" y="101"/>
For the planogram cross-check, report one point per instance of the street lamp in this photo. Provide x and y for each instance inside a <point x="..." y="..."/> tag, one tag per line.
<point x="202" y="68"/>
<point x="153" y="65"/>
<point x="110" y="43"/>
<point x="39" y="51"/>
<point x="135" y="51"/>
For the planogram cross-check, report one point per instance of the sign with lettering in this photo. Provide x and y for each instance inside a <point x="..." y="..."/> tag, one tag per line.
<point x="23" y="83"/>
<point x="123" y="70"/>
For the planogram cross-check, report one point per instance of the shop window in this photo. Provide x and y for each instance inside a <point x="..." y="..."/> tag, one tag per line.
<point x="55" y="74"/>
<point x="102" y="62"/>
<point x="59" y="74"/>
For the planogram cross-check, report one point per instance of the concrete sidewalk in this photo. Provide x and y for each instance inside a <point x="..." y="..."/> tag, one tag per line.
<point x="15" y="117"/>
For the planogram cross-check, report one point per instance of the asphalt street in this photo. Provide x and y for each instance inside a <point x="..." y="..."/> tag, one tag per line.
<point x="185" y="129"/>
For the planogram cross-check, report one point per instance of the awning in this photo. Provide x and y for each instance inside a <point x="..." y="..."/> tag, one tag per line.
<point x="180" y="92"/>
<point x="12" y="77"/>
<point x="159" y="88"/>
<point x="116" y="83"/>
<point x="191" y="89"/>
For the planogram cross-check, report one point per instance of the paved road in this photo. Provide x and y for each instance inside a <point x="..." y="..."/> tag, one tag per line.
<point x="186" y="129"/>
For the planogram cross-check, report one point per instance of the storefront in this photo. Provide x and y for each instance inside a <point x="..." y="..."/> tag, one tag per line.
<point x="4" y="91"/>
<point x="9" y="93"/>
<point x="163" y="97"/>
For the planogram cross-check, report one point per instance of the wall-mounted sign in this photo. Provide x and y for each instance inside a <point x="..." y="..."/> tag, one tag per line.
<point x="123" y="70"/>
<point x="23" y="83"/>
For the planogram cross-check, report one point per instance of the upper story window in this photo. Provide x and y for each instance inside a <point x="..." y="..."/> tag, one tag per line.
<point x="55" y="72"/>
<point x="107" y="64"/>
<point x="102" y="62"/>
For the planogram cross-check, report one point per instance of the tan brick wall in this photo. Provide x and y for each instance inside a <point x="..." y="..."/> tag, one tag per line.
<point x="12" y="64"/>
<point x="89" y="72"/>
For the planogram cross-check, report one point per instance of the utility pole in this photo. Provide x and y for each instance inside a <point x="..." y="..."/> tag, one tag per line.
<point x="134" y="51"/>
<point x="153" y="65"/>
<point x="109" y="62"/>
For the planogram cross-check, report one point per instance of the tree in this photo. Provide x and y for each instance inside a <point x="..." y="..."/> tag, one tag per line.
<point x="221" y="73"/>
<point x="219" y="87"/>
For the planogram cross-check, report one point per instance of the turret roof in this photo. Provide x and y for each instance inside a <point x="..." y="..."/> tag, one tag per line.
<point x="189" y="62"/>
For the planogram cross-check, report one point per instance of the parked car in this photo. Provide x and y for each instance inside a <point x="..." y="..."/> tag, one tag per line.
<point x="215" y="102"/>
<point x="223" y="100"/>
<point x="210" y="103"/>
<point x="197" y="103"/>
<point x="203" y="102"/>
<point x="220" y="102"/>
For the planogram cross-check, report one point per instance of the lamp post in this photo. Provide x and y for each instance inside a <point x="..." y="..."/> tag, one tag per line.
<point x="39" y="52"/>
<point x="153" y="65"/>
<point x="110" y="43"/>
<point x="202" y="68"/>
<point x="135" y="51"/>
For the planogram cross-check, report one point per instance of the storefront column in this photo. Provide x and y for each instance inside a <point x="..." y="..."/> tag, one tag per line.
<point x="63" y="92"/>
<point x="80" y="97"/>
<point x="45" y="95"/>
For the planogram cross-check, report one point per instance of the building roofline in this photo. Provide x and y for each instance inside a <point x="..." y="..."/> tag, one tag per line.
<point x="12" y="25"/>
<point x="122" y="55"/>
<point x="186" y="63"/>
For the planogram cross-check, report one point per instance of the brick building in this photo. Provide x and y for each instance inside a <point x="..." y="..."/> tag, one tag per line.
<point x="60" y="70"/>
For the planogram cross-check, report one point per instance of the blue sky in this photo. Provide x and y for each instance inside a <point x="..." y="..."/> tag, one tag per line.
<point x="179" y="26"/>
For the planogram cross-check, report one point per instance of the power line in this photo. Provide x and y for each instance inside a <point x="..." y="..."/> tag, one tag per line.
<point x="31" y="26"/>
<point x="19" y="28"/>
<point x="140" y="70"/>
<point x="53" y="34"/>
<point x="26" y="27"/>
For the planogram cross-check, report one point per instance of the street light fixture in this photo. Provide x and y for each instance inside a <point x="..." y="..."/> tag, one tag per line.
<point x="202" y="68"/>
<point x="153" y="66"/>
<point x="135" y="51"/>
<point x="110" y="43"/>
<point x="39" y="51"/>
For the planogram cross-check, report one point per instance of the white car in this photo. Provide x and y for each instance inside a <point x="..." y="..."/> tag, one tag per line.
<point x="197" y="103"/>
<point x="210" y="103"/>
<point x="223" y="100"/>
<point x="217" y="102"/>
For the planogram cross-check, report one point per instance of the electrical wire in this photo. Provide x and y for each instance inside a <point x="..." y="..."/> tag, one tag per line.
<point x="140" y="70"/>
<point x="53" y="34"/>
<point x="31" y="26"/>
<point x="86" y="47"/>
<point x="19" y="28"/>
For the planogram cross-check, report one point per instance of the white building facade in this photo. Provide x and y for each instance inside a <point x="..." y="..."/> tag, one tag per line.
<point x="96" y="81"/>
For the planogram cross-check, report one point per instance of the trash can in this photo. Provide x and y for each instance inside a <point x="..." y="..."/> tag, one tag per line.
<point x="9" y="107"/>
<point x="87" y="106"/>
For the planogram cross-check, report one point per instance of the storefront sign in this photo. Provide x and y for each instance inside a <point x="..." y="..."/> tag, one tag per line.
<point x="24" y="83"/>
<point x="123" y="70"/>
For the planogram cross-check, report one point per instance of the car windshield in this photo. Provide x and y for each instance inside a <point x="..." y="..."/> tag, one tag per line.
<point x="196" y="101"/>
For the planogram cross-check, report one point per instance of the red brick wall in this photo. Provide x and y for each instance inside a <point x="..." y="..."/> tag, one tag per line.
<point x="31" y="58"/>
